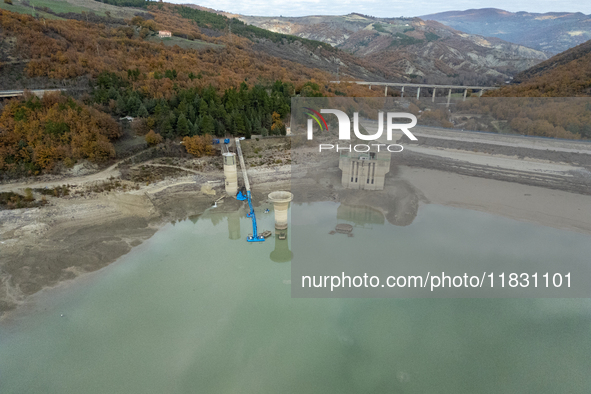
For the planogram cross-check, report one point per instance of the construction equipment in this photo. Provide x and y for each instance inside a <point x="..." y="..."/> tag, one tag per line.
<point x="255" y="236"/>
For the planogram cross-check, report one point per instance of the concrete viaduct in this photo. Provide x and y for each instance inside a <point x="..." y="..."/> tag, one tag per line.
<point x="418" y="86"/>
<point x="36" y="92"/>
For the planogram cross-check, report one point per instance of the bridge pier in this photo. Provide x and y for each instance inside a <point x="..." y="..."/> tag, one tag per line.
<point x="369" y="87"/>
<point x="280" y="200"/>
<point x="465" y="94"/>
<point x="230" y="173"/>
<point x="480" y="93"/>
<point x="386" y="91"/>
<point x="418" y="92"/>
<point x="448" y="98"/>
<point x="433" y="98"/>
<point x="402" y="92"/>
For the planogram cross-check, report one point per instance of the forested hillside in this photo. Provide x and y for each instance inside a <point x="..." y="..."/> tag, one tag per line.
<point x="68" y="49"/>
<point x="201" y="84"/>
<point x="567" y="74"/>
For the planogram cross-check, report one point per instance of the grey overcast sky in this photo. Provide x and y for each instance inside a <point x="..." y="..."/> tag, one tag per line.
<point x="384" y="8"/>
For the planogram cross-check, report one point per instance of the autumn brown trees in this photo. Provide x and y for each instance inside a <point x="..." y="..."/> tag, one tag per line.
<point x="39" y="133"/>
<point x="567" y="74"/>
<point x="568" y="118"/>
<point x="67" y="49"/>
<point x="199" y="145"/>
<point x="153" y="138"/>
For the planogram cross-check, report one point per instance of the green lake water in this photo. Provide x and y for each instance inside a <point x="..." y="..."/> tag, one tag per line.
<point x="197" y="309"/>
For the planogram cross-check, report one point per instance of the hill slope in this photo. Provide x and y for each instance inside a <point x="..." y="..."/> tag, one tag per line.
<point x="552" y="32"/>
<point x="564" y="75"/>
<point x="49" y="8"/>
<point x="189" y="85"/>
<point x="309" y="53"/>
<point x="422" y="51"/>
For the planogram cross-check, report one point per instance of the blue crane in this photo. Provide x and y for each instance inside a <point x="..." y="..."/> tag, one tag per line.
<point x="255" y="237"/>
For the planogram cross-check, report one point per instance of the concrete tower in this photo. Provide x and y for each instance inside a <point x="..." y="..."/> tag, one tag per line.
<point x="230" y="173"/>
<point x="280" y="202"/>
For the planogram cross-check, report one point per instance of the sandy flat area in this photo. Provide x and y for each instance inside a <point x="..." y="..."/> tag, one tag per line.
<point x="516" y="141"/>
<point x="73" y="235"/>
<point x="500" y="161"/>
<point x="553" y="208"/>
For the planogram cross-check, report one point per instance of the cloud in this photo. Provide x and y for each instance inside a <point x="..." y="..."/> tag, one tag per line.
<point x="383" y="8"/>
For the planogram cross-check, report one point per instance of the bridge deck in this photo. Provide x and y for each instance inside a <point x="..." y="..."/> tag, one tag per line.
<point x="419" y="85"/>
<point x="18" y="93"/>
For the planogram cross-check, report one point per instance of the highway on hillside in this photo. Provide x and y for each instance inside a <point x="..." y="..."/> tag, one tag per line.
<point x="18" y="93"/>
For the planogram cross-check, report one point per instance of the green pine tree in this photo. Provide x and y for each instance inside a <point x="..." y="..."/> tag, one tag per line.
<point x="203" y="108"/>
<point x="191" y="113"/>
<point x="113" y="94"/>
<point x="121" y="106"/>
<point x="142" y="111"/>
<point x="166" y="129"/>
<point x="158" y="110"/>
<point x="248" y="125"/>
<point x="195" y="130"/>
<point x="182" y="125"/>
<point x="240" y="126"/>
<point x="220" y="130"/>
<point x="207" y="125"/>
<point x="133" y="105"/>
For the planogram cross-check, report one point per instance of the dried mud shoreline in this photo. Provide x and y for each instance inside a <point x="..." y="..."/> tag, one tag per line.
<point x="43" y="247"/>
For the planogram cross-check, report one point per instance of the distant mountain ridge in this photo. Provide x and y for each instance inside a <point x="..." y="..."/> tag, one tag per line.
<point x="552" y="32"/>
<point x="424" y="51"/>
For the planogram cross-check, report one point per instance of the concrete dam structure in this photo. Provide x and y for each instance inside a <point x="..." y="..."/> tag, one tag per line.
<point x="365" y="171"/>
<point x="280" y="200"/>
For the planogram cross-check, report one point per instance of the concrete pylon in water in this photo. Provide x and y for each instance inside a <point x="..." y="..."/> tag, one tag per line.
<point x="230" y="173"/>
<point x="280" y="202"/>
